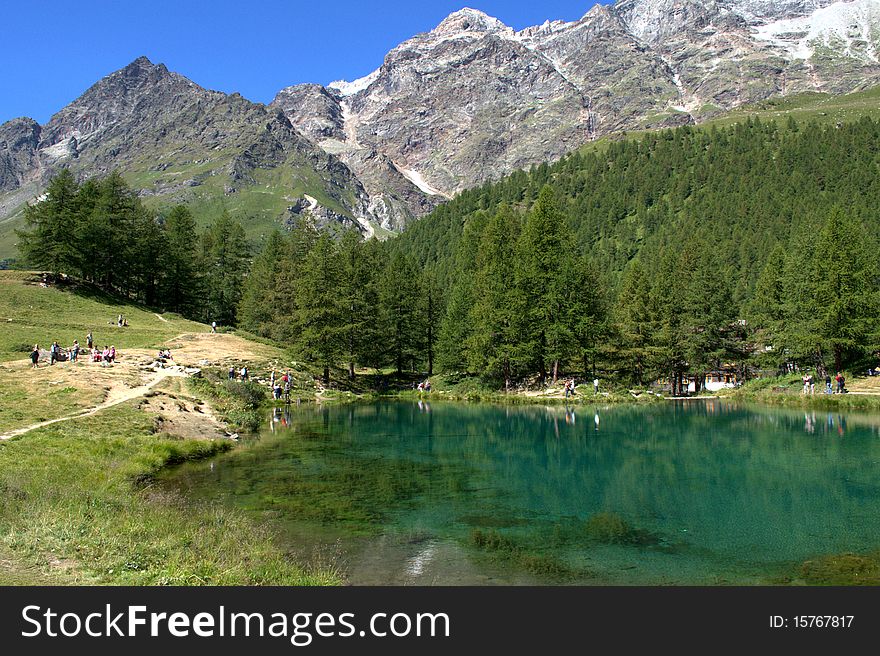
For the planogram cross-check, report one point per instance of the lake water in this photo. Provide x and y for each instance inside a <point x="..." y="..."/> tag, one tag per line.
<point x="697" y="492"/>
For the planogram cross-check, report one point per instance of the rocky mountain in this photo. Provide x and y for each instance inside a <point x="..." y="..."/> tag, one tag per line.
<point x="179" y="142"/>
<point x="465" y="103"/>
<point x="473" y="99"/>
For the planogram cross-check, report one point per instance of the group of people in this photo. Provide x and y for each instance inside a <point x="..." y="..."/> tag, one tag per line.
<point x="809" y="382"/>
<point x="424" y="386"/>
<point x="105" y="356"/>
<point x="569" y="387"/>
<point x="244" y="373"/>
<point x="280" y="386"/>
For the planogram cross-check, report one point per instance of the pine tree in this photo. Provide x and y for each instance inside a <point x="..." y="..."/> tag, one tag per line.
<point x="181" y="263"/>
<point x="50" y="240"/>
<point x="358" y="298"/>
<point x="846" y="288"/>
<point x="257" y="309"/>
<point x="766" y="310"/>
<point x="455" y="328"/>
<point x="543" y="283"/>
<point x="319" y="312"/>
<point x="634" y="323"/>
<point x="588" y="314"/>
<point x="401" y="302"/>
<point x="490" y="346"/>
<point x="432" y="308"/>
<point x="226" y="255"/>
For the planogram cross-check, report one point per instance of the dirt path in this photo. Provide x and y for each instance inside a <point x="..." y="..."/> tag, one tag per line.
<point x="161" y="318"/>
<point x="129" y="378"/>
<point x="114" y="397"/>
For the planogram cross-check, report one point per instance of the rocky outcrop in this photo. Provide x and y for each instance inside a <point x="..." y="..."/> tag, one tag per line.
<point x="19" y="144"/>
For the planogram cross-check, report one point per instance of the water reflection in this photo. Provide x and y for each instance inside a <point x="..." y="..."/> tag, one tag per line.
<point x="721" y="490"/>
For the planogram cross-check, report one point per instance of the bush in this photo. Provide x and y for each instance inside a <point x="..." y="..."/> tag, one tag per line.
<point x="250" y="395"/>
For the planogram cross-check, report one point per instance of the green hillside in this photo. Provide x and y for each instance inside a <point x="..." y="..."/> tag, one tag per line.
<point x="33" y="314"/>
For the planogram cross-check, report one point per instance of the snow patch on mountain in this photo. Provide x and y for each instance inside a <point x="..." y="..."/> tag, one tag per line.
<point x="848" y="27"/>
<point x="419" y="181"/>
<point x="351" y="88"/>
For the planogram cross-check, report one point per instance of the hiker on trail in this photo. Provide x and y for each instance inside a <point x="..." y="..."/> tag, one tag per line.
<point x="35" y="356"/>
<point x="89" y="342"/>
<point x="244" y="374"/>
<point x="74" y="351"/>
<point x="231" y="373"/>
<point x="272" y="380"/>
<point x="828" y="389"/>
<point x="53" y="353"/>
<point x="840" y="382"/>
<point x="213" y="326"/>
<point x="596" y="385"/>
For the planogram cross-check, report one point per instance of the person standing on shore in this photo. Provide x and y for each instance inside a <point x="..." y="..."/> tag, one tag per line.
<point x="213" y="326"/>
<point x="840" y="382"/>
<point x="35" y="356"/>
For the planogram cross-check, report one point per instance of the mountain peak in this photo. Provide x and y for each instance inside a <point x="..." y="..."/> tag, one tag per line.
<point x="141" y="62"/>
<point x="470" y="20"/>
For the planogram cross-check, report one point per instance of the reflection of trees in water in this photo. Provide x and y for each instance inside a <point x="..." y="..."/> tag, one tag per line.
<point x="748" y="482"/>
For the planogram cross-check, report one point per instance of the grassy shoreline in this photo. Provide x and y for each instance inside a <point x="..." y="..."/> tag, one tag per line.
<point x="786" y="391"/>
<point x="78" y="505"/>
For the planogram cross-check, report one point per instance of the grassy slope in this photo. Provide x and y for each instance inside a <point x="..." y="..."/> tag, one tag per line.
<point x="75" y="501"/>
<point x="803" y="108"/>
<point x="32" y="314"/>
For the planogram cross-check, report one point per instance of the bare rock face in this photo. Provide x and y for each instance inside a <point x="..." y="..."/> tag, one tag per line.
<point x="468" y="102"/>
<point x="19" y="142"/>
<point x="473" y="100"/>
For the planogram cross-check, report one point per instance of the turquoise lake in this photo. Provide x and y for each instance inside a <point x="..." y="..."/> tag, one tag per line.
<point x="696" y="492"/>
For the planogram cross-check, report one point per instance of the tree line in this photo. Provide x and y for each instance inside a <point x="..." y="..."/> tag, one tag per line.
<point x="342" y="301"/>
<point x="687" y="251"/>
<point x="100" y="232"/>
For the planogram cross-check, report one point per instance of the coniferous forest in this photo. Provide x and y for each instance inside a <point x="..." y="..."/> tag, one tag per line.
<point x="667" y="255"/>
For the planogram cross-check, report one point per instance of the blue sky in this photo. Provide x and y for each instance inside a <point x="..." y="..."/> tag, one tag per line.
<point x="53" y="51"/>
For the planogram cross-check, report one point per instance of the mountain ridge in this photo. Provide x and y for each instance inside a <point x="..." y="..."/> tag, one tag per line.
<point x="462" y="104"/>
